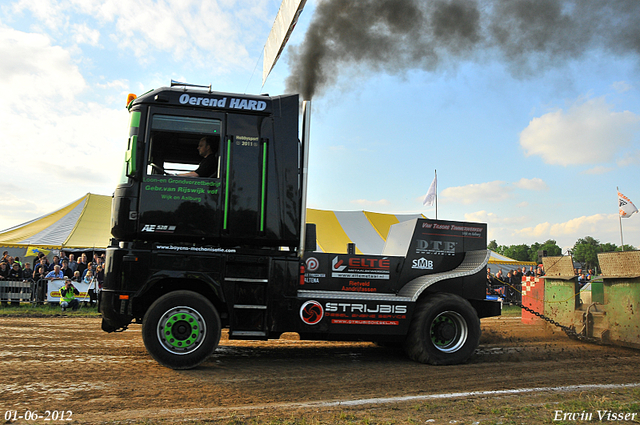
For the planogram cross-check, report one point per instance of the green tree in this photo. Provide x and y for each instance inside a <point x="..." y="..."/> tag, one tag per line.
<point x="626" y="248"/>
<point x="493" y="246"/>
<point x="518" y="252"/>
<point x="586" y="251"/>
<point x="608" y="247"/>
<point x="551" y="246"/>
<point x="533" y="252"/>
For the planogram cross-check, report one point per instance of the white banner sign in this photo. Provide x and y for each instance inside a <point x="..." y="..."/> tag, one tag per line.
<point x="282" y="28"/>
<point x="53" y="290"/>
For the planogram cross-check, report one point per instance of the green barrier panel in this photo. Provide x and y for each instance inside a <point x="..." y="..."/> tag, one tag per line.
<point x="560" y="301"/>
<point x="597" y="291"/>
<point x="622" y="303"/>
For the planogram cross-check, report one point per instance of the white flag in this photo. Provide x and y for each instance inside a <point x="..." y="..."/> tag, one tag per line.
<point x="431" y="194"/>
<point x="626" y="206"/>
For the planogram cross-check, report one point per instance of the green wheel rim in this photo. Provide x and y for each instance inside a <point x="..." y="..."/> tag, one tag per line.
<point x="181" y="330"/>
<point x="448" y="331"/>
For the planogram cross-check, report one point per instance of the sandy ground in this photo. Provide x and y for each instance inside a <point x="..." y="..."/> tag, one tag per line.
<point x="65" y="364"/>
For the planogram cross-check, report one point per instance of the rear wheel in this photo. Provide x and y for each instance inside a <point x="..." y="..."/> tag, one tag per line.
<point x="181" y="329"/>
<point x="445" y="330"/>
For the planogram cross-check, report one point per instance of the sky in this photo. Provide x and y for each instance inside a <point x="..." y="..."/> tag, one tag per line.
<point x="532" y="144"/>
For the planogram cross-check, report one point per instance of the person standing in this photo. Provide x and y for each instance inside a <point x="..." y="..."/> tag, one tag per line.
<point x="73" y="265"/>
<point x="27" y="271"/>
<point x="41" y="270"/>
<point x="16" y="272"/>
<point x="37" y="260"/>
<point x="90" y="268"/>
<point x="82" y="264"/>
<point x="56" y="262"/>
<point x="517" y="275"/>
<point x="66" y="271"/>
<point x="512" y="286"/>
<point x="582" y="280"/>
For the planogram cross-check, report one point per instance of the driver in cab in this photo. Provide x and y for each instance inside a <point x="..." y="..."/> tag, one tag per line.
<point x="209" y="164"/>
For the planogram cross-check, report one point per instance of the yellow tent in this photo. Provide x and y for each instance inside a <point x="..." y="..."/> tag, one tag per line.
<point x="83" y="224"/>
<point x="504" y="263"/>
<point x="368" y="230"/>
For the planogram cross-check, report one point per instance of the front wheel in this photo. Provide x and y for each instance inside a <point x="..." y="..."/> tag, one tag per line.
<point x="445" y="330"/>
<point x="181" y="329"/>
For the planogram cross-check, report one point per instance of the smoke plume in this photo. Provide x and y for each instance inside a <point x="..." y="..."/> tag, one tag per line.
<point x="394" y="36"/>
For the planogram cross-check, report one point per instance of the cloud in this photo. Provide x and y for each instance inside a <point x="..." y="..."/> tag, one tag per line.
<point x="50" y="13"/>
<point x="494" y="219"/>
<point x="629" y="159"/>
<point x="536" y="184"/>
<point x="481" y="217"/>
<point x="601" y="226"/>
<point x="587" y="133"/>
<point x="53" y="74"/>
<point x="583" y="225"/>
<point x="82" y="34"/>
<point x="200" y="33"/>
<point x="537" y="231"/>
<point x="598" y="170"/>
<point x="13" y="208"/>
<point x="495" y="191"/>
<point x="59" y="146"/>
<point x="621" y="86"/>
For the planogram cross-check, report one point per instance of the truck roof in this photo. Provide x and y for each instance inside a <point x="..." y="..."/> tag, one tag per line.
<point x="195" y="98"/>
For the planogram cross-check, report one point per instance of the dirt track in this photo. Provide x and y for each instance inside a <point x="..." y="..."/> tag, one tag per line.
<point x="67" y="364"/>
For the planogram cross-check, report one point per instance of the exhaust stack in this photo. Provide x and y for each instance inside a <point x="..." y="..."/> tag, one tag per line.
<point x="306" y="124"/>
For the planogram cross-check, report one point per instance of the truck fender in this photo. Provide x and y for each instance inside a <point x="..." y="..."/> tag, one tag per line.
<point x="474" y="262"/>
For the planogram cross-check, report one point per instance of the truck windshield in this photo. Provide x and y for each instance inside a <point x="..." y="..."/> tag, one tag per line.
<point x="173" y="142"/>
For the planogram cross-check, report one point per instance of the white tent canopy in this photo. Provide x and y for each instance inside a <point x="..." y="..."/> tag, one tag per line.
<point x="504" y="263"/>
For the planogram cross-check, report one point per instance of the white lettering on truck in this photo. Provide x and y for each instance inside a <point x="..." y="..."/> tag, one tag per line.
<point x="363" y="308"/>
<point x="234" y="103"/>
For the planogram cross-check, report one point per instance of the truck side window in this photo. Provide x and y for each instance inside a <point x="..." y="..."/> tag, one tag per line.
<point x="173" y="143"/>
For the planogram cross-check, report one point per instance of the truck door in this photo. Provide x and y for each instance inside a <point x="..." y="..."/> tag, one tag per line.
<point x="246" y="147"/>
<point x="170" y="204"/>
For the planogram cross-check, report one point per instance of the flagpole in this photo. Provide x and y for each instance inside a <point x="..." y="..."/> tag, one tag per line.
<point x="432" y="193"/>
<point x="435" y="172"/>
<point x="620" y="220"/>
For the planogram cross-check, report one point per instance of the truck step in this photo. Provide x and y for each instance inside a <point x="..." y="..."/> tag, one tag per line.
<point x="248" y="335"/>
<point x="250" y="306"/>
<point x="246" y="279"/>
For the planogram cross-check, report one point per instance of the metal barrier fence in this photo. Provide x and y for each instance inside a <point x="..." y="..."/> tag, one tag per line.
<point x="23" y="291"/>
<point x="16" y="291"/>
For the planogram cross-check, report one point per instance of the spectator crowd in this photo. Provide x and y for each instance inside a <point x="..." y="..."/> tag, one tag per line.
<point x="509" y="286"/>
<point x="61" y="267"/>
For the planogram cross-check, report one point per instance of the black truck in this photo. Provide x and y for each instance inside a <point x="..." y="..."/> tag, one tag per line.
<point x="193" y="255"/>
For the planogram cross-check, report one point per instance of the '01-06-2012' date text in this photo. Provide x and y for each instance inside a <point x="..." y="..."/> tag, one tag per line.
<point x="34" y="415"/>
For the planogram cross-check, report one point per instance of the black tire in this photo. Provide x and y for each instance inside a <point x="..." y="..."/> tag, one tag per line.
<point x="445" y="330"/>
<point x="181" y="329"/>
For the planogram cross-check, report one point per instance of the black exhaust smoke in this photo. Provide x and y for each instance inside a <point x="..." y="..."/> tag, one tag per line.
<point x="394" y="36"/>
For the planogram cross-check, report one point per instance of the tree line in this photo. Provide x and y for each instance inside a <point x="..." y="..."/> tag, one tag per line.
<point x="585" y="250"/>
